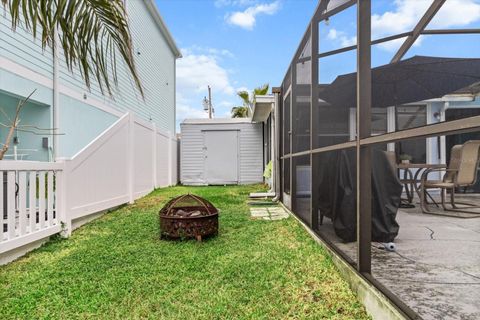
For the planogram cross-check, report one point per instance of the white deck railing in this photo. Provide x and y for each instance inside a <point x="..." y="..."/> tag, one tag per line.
<point x="29" y="193"/>
<point x="39" y="199"/>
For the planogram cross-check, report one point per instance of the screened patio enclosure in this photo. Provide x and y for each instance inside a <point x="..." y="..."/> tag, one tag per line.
<point x="365" y="114"/>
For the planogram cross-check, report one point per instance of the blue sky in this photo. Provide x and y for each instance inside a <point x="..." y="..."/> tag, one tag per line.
<point x="241" y="44"/>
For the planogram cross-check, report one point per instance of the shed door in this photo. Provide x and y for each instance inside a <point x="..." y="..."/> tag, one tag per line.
<point x="221" y="157"/>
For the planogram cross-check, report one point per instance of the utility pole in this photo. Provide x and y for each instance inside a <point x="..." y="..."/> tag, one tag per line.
<point x="207" y="103"/>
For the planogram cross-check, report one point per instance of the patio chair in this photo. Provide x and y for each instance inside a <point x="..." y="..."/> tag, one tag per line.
<point x="461" y="172"/>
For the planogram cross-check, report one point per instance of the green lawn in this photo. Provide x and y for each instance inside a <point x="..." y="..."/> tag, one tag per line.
<point x="116" y="267"/>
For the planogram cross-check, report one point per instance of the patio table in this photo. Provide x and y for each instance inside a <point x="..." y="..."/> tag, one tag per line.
<point x="414" y="181"/>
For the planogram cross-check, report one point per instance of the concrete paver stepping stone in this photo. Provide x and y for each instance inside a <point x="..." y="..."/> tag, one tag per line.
<point x="269" y="213"/>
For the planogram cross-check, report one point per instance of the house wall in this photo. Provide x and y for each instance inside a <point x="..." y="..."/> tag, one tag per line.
<point x="80" y="124"/>
<point x="250" y="152"/>
<point x="20" y="47"/>
<point x="155" y="62"/>
<point x="14" y="87"/>
<point x="83" y="113"/>
<point x="465" y="104"/>
<point x="36" y="113"/>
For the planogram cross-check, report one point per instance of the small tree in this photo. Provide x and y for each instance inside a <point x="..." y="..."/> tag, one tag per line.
<point x="248" y="101"/>
<point x="14" y="125"/>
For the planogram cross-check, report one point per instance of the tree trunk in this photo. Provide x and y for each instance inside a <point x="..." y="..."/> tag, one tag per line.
<point x="7" y="141"/>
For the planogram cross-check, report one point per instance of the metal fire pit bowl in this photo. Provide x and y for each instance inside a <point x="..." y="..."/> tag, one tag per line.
<point x="188" y="216"/>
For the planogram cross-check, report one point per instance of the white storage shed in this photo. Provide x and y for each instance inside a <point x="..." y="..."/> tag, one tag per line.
<point x="221" y="151"/>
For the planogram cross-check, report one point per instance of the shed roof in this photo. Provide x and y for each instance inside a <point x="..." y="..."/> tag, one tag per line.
<point x="217" y="121"/>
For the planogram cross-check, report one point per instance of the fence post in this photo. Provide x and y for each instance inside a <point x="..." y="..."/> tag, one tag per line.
<point x="130" y="156"/>
<point x="154" y="156"/>
<point x="63" y="214"/>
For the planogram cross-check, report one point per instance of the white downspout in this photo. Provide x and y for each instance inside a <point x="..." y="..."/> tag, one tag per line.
<point x="272" y="147"/>
<point x="391" y="126"/>
<point x="56" y="97"/>
<point x="443" y="139"/>
<point x="276" y="145"/>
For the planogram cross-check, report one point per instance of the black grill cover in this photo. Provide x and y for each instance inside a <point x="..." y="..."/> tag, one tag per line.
<point x="337" y="189"/>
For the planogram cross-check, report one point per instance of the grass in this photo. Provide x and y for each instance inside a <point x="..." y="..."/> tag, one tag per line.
<point x="116" y="267"/>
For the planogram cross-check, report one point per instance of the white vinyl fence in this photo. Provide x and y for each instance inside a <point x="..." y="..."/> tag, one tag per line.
<point x="124" y="163"/>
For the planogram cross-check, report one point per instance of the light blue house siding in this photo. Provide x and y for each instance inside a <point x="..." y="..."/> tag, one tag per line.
<point x="80" y="124"/>
<point x="19" y="46"/>
<point x="83" y="114"/>
<point x="33" y="112"/>
<point x="38" y="113"/>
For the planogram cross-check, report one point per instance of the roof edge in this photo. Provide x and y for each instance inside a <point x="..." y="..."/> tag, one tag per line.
<point x="214" y="121"/>
<point x="153" y="9"/>
<point x="262" y="107"/>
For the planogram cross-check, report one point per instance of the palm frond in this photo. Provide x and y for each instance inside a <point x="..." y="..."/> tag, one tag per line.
<point x="262" y="90"/>
<point x="240" y="112"/>
<point x="91" y="34"/>
<point x="244" y="96"/>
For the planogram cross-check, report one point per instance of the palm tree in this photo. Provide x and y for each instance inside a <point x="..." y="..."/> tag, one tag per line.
<point x="239" y="112"/>
<point x="91" y="33"/>
<point x="249" y="100"/>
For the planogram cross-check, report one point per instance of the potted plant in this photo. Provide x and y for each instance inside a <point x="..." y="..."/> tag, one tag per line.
<point x="405" y="158"/>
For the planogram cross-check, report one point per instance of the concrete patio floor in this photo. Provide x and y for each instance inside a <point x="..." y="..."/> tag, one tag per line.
<point x="436" y="267"/>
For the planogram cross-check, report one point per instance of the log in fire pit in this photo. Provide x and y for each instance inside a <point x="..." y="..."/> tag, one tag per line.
<point x="188" y="216"/>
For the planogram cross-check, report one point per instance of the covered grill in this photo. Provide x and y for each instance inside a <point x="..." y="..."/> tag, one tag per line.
<point x="188" y="216"/>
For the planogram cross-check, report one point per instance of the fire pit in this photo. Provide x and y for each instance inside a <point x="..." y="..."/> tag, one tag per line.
<point x="188" y="216"/>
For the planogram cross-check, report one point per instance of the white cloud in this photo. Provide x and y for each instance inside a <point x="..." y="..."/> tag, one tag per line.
<point x="186" y="111"/>
<point x="242" y="89"/>
<point x="226" y="104"/>
<point x="224" y="3"/>
<point x="218" y="53"/>
<point x="407" y="13"/>
<point x="197" y="71"/>
<point x="394" y="45"/>
<point x="332" y="34"/>
<point x="200" y="67"/>
<point x="457" y="13"/>
<point x="226" y="114"/>
<point x="247" y="19"/>
<point x="345" y="41"/>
